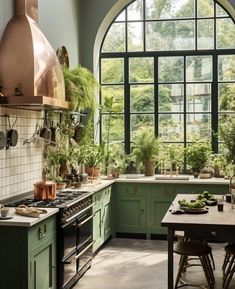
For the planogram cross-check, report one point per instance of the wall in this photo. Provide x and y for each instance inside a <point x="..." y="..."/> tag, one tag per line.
<point x="96" y="17"/>
<point x="21" y="166"/>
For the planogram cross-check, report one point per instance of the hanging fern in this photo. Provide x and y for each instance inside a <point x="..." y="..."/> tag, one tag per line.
<point x="80" y="88"/>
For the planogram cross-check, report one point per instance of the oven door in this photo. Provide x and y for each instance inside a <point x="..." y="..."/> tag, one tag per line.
<point x="69" y="238"/>
<point x="84" y="226"/>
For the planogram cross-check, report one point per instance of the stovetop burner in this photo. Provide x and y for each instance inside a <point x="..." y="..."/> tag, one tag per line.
<point x="64" y="198"/>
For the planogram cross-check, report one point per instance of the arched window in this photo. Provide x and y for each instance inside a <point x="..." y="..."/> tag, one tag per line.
<point x="168" y="65"/>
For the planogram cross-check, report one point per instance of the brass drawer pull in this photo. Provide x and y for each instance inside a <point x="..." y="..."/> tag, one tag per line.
<point x="41" y="234"/>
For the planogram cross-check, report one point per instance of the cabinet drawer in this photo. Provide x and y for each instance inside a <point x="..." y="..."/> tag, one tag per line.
<point x="42" y="231"/>
<point x="130" y="189"/>
<point x="97" y="199"/>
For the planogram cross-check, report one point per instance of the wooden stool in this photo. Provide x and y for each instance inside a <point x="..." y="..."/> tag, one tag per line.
<point x="228" y="267"/>
<point x="180" y="236"/>
<point x="192" y="249"/>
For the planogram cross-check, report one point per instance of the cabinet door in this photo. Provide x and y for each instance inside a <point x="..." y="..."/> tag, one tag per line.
<point x="158" y="209"/>
<point x="107" y="222"/>
<point x="97" y="230"/>
<point x="43" y="264"/>
<point x="130" y="214"/>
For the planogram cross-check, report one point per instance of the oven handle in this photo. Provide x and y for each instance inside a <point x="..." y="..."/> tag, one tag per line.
<point x="79" y="213"/>
<point x="84" y="222"/>
<point x="80" y="254"/>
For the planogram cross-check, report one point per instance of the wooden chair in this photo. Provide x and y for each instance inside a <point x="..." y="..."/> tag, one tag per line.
<point x="228" y="267"/>
<point x="191" y="249"/>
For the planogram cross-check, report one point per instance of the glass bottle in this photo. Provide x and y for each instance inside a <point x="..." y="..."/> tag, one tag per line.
<point x="84" y="175"/>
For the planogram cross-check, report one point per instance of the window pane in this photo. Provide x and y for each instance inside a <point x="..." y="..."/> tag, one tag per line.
<point x="115" y="39"/>
<point x="220" y="11"/>
<point x="141" y="120"/>
<point x="141" y="69"/>
<point x="135" y="36"/>
<point x="115" y="91"/>
<point x="227" y="96"/>
<point x="226" y="68"/>
<point x="171" y="157"/>
<point x="199" y="68"/>
<point x="198" y="126"/>
<point x="171" y="127"/>
<point x="158" y="9"/>
<point x="117" y="152"/>
<point x="205" y="35"/>
<point x="142" y="98"/>
<point x="198" y="97"/>
<point x="205" y="8"/>
<point x="170" y="35"/>
<point x="225" y="30"/>
<point x="112" y="70"/>
<point x="121" y="16"/>
<point x="170" y="69"/>
<point x="171" y="97"/>
<point x="135" y="10"/>
<point x="116" y="128"/>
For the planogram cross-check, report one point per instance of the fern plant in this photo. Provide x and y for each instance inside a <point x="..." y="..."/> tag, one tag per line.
<point x="80" y="88"/>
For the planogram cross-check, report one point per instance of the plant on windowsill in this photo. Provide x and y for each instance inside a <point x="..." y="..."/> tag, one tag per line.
<point x="60" y="184"/>
<point x="198" y="155"/>
<point x="146" y="149"/>
<point x="94" y="155"/>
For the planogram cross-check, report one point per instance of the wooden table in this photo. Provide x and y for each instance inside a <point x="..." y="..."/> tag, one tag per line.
<point x="219" y="224"/>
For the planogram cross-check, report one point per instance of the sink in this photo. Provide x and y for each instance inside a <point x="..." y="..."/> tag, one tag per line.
<point x="185" y="178"/>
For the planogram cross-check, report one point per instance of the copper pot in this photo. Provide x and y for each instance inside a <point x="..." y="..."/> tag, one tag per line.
<point x="45" y="190"/>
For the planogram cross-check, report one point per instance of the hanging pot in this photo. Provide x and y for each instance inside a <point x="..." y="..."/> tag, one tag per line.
<point x="45" y="132"/>
<point x="2" y="140"/>
<point x="55" y="134"/>
<point x="78" y="131"/>
<point x="12" y="135"/>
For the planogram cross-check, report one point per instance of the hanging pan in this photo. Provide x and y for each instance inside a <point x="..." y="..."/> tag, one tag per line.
<point x="2" y="140"/>
<point x="12" y="135"/>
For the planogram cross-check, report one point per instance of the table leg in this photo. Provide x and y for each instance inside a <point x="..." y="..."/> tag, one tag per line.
<point x="170" y="238"/>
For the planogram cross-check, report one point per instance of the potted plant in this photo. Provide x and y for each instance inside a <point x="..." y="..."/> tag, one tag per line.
<point x="145" y="149"/>
<point x="218" y="162"/>
<point x="60" y="184"/>
<point x="94" y="155"/>
<point x="80" y="87"/>
<point x="227" y="134"/>
<point x="197" y="155"/>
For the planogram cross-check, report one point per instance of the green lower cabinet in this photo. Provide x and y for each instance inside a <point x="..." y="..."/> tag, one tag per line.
<point x="140" y="208"/>
<point x="43" y="264"/>
<point x="28" y="256"/>
<point x="158" y="208"/>
<point x="102" y="217"/>
<point x="130" y="214"/>
<point x="107" y="220"/>
<point x="97" y="228"/>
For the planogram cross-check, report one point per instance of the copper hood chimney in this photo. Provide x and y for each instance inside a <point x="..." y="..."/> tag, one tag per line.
<point x="30" y="73"/>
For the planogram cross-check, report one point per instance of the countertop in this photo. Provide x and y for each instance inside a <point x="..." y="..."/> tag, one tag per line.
<point x="24" y="221"/>
<point x="103" y="182"/>
<point x="180" y="179"/>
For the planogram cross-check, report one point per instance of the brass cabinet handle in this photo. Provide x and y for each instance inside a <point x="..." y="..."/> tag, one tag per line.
<point x="41" y="234"/>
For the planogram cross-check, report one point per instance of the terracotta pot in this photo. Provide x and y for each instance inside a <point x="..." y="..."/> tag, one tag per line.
<point x="149" y="167"/>
<point x="93" y="172"/>
<point x="61" y="186"/>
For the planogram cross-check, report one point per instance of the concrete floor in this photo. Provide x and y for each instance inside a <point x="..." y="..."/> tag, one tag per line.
<point x="139" y="264"/>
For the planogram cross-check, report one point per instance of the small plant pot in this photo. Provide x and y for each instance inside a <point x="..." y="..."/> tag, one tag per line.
<point x="61" y="186"/>
<point x="93" y="171"/>
<point x="149" y="167"/>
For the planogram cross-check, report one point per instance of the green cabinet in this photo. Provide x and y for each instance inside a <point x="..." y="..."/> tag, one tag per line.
<point x="28" y="256"/>
<point x="139" y="208"/>
<point x="102" y="217"/>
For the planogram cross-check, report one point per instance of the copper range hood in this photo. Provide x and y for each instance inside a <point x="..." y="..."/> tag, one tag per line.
<point x="30" y="74"/>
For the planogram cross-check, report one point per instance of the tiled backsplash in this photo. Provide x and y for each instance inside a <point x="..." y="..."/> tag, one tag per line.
<point x="20" y="166"/>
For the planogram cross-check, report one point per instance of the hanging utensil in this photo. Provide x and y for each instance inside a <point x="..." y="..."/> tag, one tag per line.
<point x="45" y="132"/>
